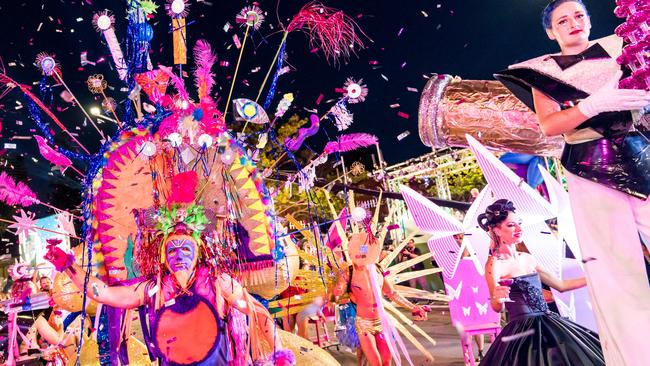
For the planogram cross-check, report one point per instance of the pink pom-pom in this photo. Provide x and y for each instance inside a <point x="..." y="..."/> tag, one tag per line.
<point x="183" y="187"/>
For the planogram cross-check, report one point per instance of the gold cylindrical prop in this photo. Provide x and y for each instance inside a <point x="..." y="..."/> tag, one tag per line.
<point x="179" y="37"/>
<point x="451" y="107"/>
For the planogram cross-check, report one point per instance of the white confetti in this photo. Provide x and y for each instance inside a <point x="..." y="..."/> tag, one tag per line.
<point x="403" y="135"/>
<point x="518" y="335"/>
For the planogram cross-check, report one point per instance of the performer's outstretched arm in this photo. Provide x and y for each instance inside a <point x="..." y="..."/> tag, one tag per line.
<point x="560" y="284"/>
<point x="391" y="293"/>
<point x="125" y="297"/>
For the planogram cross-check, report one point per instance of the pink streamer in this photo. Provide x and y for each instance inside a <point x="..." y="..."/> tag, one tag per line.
<point x="116" y="52"/>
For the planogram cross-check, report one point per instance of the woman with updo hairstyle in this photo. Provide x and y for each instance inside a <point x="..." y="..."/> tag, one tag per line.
<point x="534" y="335"/>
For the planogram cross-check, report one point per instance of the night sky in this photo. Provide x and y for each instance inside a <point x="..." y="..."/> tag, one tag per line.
<point x="407" y="41"/>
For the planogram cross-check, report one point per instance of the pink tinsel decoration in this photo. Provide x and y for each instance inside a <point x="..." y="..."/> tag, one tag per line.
<point x="350" y="142"/>
<point x="183" y="187"/>
<point x="329" y="29"/>
<point x="15" y="193"/>
<point x="204" y="59"/>
<point x="635" y="31"/>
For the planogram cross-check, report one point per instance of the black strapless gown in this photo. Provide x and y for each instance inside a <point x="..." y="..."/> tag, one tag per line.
<point x="537" y="336"/>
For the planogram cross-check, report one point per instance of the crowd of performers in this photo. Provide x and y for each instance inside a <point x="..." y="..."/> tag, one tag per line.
<point x="176" y="263"/>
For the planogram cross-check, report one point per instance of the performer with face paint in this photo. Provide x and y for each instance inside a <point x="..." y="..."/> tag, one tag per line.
<point x="188" y="306"/>
<point x="365" y="283"/>
<point x="607" y="165"/>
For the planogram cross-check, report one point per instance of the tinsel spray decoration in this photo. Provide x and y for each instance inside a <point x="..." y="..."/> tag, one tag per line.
<point x="636" y="32"/>
<point x="104" y="22"/>
<point x="330" y="30"/>
<point x="178" y="11"/>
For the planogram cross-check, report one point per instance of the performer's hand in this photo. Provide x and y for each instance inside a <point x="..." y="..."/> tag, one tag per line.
<point x="61" y="259"/>
<point x="611" y="99"/>
<point x="419" y="313"/>
<point x="501" y="293"/>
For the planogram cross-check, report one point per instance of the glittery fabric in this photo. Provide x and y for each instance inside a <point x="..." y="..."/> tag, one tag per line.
<point x="371" y="326"/>
<point x="586" y="76"/>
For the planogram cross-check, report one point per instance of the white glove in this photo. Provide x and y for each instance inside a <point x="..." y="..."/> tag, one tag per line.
<point x="611" y="99"/>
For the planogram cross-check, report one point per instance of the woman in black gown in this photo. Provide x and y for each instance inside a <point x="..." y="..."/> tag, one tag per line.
<point x="534" y="335"/>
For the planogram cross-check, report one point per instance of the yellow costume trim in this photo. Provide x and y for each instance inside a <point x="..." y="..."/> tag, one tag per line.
<point x="371" y="326"/>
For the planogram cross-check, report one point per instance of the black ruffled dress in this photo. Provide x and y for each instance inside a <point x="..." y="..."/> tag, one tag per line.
<point x="537" y="336"/>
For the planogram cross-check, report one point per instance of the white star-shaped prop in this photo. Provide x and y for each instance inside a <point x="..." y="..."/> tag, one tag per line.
<point x="24" y="223"/>
<point x="66" y="224"/>
<point x="562" y="206"/>
<point x="432" y="219"/>
<point x="531" y="207"/>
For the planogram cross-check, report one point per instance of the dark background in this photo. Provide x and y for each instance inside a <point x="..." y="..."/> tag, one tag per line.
<point x="468" y="38"/>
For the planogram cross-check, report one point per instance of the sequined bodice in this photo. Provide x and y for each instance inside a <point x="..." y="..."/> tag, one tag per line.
<point x="526" y="292"/>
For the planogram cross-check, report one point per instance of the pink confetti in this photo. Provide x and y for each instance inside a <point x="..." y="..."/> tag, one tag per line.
<point x="403" y="64"/>
<point x="236" y="40"/>
<point x="400" y="31"/>
<point x="373" y="62"/>
<point x="411" y="89"/>
<point x="224" y="63"/>
<point x="403" y="115"/>
<point x="319" y="99"/>
<point x="314" y="50"/>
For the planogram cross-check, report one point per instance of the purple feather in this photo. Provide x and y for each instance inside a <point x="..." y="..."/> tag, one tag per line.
<point x="350" y="142"/>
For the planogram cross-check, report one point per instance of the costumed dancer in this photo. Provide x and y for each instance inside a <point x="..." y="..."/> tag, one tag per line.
<point x="366" y="284"/>
<point x="606" y="158"/>
<point x="189" y="304"/>
<point x="534" y="335"/>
